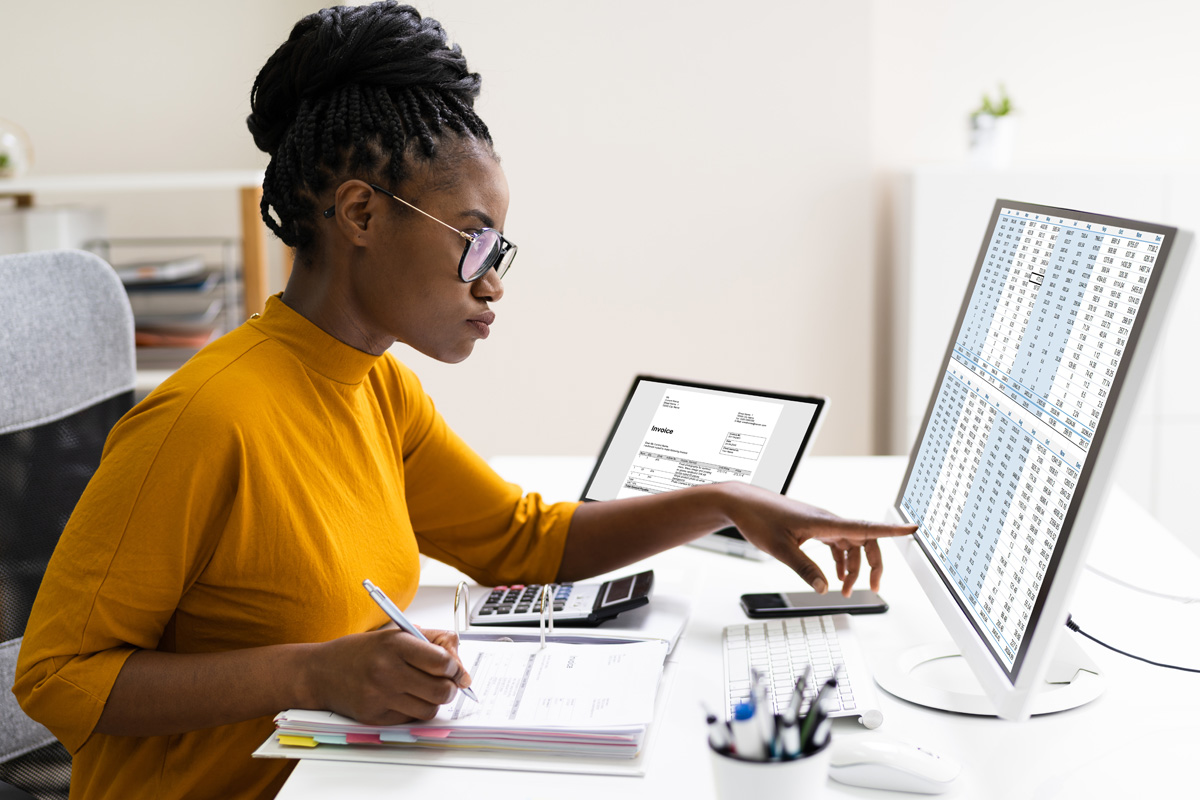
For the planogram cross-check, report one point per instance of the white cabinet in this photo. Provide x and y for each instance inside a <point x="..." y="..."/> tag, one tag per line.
<point x="940" y="216"/>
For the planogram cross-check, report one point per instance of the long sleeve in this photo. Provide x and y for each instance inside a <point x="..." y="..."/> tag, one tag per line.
<point x="466" y="515"/>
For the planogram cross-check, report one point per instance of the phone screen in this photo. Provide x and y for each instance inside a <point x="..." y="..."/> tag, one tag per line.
<point x="799" y="604"/>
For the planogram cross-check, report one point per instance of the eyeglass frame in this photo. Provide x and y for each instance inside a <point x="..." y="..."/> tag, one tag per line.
<point x="508" y="250"/>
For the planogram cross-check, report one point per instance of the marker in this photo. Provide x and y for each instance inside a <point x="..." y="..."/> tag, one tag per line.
<point x="747" y="736"/>
<point x="397" y="616"/>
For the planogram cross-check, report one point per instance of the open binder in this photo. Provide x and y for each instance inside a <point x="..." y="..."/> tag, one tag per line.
<point x="578" y="701"/>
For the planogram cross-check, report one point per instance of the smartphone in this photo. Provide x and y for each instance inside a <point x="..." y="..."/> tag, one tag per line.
<point x="806" y="604"/>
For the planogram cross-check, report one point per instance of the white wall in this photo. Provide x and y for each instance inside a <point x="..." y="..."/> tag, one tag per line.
<point x="690" y="184"/>
<point x="690" y="194"/>
<point x="1093" y="81"/>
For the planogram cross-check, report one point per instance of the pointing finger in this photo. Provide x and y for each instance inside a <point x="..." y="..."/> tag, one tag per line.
<point x="805" y="567"/>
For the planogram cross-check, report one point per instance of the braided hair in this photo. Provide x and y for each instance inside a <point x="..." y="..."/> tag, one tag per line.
<point x="355" y="90"/>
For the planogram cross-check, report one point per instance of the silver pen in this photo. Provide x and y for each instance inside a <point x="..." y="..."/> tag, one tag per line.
<point x="397" y="616"/>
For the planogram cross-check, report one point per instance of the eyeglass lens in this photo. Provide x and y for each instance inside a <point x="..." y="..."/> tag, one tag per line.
<point x="482" y="254"/>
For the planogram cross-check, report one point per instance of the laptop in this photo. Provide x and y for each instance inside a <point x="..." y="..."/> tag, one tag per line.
<point x="671" y="434"/>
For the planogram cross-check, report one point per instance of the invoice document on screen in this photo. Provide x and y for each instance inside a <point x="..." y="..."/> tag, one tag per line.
<point x="698" y="437"/>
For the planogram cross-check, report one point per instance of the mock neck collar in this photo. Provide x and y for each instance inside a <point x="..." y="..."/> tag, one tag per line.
<point x="312" y="346"/>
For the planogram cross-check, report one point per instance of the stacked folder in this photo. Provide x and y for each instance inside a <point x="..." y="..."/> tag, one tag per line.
<point x="591" y="700"/>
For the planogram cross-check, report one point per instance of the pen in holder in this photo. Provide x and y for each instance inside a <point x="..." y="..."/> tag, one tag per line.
<point x="464" y="592"/>
<point x="546" y="612"/>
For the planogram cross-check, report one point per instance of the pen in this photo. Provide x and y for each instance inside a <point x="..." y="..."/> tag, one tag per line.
<point x="793" y="709"/>
<point x="763" y="711"/>
<point x="789" y="737"/>
<point x="816" y="722"/>
<point x="718" y="733"/>
<point x="397" y="616"/>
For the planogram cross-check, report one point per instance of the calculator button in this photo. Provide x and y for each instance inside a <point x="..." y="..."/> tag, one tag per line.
<point x="485" y="611"/>
<point x="522" y="609"/>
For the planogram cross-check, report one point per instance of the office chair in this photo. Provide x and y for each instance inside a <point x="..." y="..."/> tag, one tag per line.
<point x="67" y="370"/>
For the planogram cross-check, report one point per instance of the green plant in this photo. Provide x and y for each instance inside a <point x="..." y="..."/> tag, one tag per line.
<point x="1001" y="107"/>
<point x="3" y="160"/>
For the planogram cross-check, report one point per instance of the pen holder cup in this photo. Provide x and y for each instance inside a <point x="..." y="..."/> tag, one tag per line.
<point x="802" y="778"/>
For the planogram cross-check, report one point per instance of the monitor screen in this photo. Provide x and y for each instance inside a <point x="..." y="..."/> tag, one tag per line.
<point x="674" y="434"/>
<point x="1022" y="405"/>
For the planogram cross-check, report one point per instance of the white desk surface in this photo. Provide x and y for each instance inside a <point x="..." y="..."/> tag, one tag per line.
<point x="1138" y="739"/>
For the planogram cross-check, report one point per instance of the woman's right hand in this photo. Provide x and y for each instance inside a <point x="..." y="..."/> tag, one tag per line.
<point x="387" y="676"/>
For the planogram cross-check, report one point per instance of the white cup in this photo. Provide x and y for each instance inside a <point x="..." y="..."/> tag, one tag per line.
<point x="802" y="778"/>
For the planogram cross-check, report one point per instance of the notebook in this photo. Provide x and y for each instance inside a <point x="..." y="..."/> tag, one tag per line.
<point x="558" y="707"/>
<point x="671" y="434"/>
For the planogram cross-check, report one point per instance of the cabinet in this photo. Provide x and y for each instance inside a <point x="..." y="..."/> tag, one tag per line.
<point x="939" y="218"/>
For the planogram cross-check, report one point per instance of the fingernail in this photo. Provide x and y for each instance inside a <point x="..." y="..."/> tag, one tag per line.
<point x="820" y="586"/>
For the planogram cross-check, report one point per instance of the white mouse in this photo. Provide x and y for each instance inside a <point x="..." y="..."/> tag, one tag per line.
<point x="887" y="764"/>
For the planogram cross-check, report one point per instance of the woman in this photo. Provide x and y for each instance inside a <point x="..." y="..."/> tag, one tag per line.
<point x="211" y="574"/>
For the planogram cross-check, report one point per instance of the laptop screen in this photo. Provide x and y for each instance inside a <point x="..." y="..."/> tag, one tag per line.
<point x="673" y="434"/>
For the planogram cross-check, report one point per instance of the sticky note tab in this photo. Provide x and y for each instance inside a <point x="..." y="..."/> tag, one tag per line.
<point x="432" y="733"/>
<point x="362" y="738"/>
<point x="330" y="738"/>
<point x="296" y="741"/>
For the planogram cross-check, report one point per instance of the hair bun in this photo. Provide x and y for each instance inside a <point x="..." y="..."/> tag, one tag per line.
<point x="382" y="44"/>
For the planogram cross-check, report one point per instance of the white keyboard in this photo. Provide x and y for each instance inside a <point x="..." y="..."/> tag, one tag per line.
<point x="781" y="648"/>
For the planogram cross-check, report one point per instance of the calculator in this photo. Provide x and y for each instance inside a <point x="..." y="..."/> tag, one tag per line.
<point x="575" y="604"/>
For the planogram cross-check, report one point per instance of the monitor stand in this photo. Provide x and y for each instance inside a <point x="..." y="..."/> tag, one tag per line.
<point x="937" y="676"/>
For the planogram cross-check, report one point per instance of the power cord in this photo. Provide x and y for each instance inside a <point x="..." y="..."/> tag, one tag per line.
<point x="1074" y="626"/>
<point x="1174" y="597"/>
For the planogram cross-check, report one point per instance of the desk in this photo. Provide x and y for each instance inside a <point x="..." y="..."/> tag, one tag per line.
<point x="1137" y="739"/>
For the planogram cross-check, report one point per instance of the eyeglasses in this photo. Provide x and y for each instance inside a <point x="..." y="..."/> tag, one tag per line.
<point x="484" y="250"/>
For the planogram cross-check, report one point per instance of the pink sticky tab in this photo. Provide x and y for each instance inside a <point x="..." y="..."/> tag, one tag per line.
<point x="431" y="733"/>
<point x="362" y="738"/>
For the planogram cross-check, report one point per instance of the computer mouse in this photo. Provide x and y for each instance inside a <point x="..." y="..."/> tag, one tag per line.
<point x="880" y="763"/>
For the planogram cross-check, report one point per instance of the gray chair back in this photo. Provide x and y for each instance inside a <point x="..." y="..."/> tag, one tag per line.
<point x="67" y="373"/>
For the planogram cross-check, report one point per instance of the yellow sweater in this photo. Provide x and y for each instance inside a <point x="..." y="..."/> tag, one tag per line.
<point x="240" y="505"/>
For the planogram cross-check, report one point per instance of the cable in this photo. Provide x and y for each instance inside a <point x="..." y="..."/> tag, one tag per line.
<point x="1176" y="597"/>
<point x="1075" y="627"/>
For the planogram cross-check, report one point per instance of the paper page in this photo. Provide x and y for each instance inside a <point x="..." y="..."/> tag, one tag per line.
<point x="521" y="685"/>
<point x="697" y="438"/>
<point x="562" y="685"/>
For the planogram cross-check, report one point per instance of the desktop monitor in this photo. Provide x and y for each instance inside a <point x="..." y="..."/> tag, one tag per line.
<point x="1007" y="476"/>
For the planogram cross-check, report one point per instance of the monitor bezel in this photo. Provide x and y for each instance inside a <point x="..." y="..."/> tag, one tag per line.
<point x="1012" y="690"/>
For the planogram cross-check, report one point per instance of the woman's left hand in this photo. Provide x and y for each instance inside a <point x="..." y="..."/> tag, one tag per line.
<point x="779" y="526"/>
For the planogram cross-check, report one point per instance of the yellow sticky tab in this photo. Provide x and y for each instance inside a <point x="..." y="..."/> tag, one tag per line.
<point x="297" y="741"/>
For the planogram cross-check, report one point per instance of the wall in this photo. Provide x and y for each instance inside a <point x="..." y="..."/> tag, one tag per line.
<point x="690" y="185"/>
<point x="689" y="189"/>
<point x="1092" y="81"/>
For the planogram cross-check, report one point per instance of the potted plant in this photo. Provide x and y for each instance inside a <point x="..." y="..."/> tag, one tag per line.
<point x="992" y="131"/>
<point x="16" y="153"/>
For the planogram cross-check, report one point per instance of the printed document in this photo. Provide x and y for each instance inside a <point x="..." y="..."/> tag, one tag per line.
<point x="697" y="438"/>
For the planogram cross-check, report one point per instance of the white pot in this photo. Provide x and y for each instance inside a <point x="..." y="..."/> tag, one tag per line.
<point x="992" y="140"/>
<point x="15" y="149"/>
